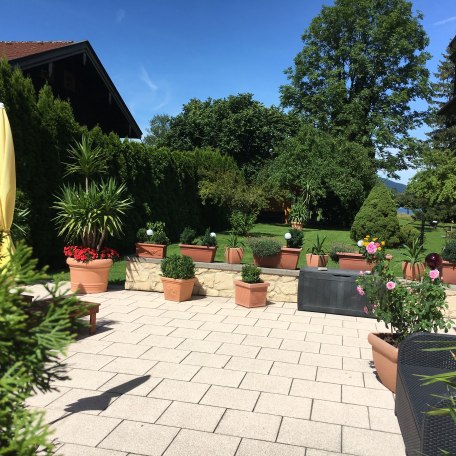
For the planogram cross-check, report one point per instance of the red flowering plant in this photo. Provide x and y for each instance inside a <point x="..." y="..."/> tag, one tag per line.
<point x="86" y="254"/>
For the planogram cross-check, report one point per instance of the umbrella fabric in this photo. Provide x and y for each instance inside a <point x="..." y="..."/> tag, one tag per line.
<point x="7" y="185"/>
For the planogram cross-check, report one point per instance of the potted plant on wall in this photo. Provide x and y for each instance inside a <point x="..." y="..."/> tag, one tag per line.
<point x="152" y="241"/>
<point x="266" y="252"/>
<point x="202" y="250"/>
<point x="413" y="267"/>
<point x="178" y="277"/>
<point x="250" y="291"/>
<point x="234" y="249"/>
<point x="406" y="308"/>
<point x="90" y="214"/>
<point x="289" y="255"/>
<point x="449" y="262"/>
<point x="317" y="256"/>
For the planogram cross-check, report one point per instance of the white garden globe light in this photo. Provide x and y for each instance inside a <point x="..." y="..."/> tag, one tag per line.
<point x="149" y="232"/>
<point x="360" y="243"/>
<point x="213" y="234"/>
<point x="287" y="236"/>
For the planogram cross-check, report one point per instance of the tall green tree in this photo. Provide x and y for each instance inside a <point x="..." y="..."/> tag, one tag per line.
<point x="361" y="66"/>
<point x="158" y="130"/>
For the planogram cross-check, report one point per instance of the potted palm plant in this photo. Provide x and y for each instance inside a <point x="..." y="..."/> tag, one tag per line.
<point x="299" y="214"/>
<point x="289" y="255"/>
<point x="317" y="256"/>
<point x="250" y="291"/>
<point x="413" y="266"/>
<point x="202" y="249"/>
<point x="449" y="262"/>
<point x="266" y="252"/>
<point x="178" y="277"/>
<point x="234" y="249"/>
<point x="89" y="214"/>
<point x="152" y="241"/>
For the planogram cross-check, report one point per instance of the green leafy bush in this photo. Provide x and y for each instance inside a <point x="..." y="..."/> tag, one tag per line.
<point x="158" y="234"/>
<point x="264" y="247"/>
<point x="408" y="234"/>
<point x="208" y="239"/>
<point x="339" y="247"/>
<point x="188" y="236"/>
<point x="178" y="267"/>
<point x="251" y="274"/>
<point x="449" y="251"/>
<point x="242" y="223"/>
<point x="296" y="240"/>
<point x="378" y="216"/>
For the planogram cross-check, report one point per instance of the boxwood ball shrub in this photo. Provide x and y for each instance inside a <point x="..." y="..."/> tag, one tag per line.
<point x="208" y="239"/>
<point x="264" y="247"/>
<point x="408" y="234"/>
<point x="296" y="240"/>
<point x="188" y="236"/>
<point x="251" y="274"/>
<point x="449" y="251"/>
<point x="378" y="216"/>
<point x="178" y="267"/>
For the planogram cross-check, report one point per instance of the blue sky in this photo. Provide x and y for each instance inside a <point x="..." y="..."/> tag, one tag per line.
<point x="161" y="53"/>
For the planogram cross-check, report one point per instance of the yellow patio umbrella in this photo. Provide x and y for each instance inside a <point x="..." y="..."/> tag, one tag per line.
<point x="7" y="185"/>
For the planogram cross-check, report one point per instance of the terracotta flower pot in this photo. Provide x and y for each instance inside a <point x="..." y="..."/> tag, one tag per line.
<point x="385" y="360"/>
<point x="234" y="255"/>
<point x="316" y="261"/>
<point x="356" y="261"/>
<point x="250" y="294"/>
<point x="296" y="225"/>
<point x="415" y="273"/>
<point x="272" y="261"/>
<point x="144" y="250"/>
<point x="199" y="253"/>
<point x="449" y="272"/>
<point x="289" y="258"/>
<point x="91" y="277"/>
<point x="177" y="289"/>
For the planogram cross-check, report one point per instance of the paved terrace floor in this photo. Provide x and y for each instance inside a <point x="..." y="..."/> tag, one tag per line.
<point x="207" y="377"/>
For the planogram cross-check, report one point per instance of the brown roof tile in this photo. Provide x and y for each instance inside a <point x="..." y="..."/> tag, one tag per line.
<point x="17" y="49"/>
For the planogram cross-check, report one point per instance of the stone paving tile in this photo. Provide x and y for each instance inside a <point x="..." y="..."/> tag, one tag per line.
<point x="236" y="312"/>
<point x="176" y="390"/>
<point x="207" y="360"/>
<point x="261" y="341"/>
<point x="358" y="365"/>
<point x="340" y="331"/>
<point x="306" y="327"/>
<point x="312" y="359"/>
<point x="324" y="338"/>
<point x="69" y="449"/>
<point x="192" y="416"/>
<point x="89" y="346"/>
<point x="267" y="383"/>
<point x="340" y="413"/>
<point x="203" y="312"/>
<point x="343" y="377"/>
<point x="273" y="354"/>
<point x="232" y="398"/>
<point x="221" y="377"/>
<point x="126" y="317"/>
<point x="174" y="371"/>
<point x="43" y="399"/>
<point x="153" y="329"/>
<point x="371" y="381"/>
<point x="204" y="346"/>
<point x="252" y="330"/>
<point x="249" y="424"/>
<point x="314" y="452"/>
<point x="126" y="350"/>
<point x="279" y="310"/>
<point x="325" y="322"/>
<point x="88" y="361"/>
<point x="188" y="333"/>
<point x="310" y="434"/>
<point x="349" y="352"/>
<point x="245" y="351"/>
<point x="133" y="366"/>
<point x="257" y="447"/>
<point x="177" y="314"/>
<point x="287" y="334"/>
<point x="162" y="341"/>
<point x="279" y="404"/>
<point x="165" y="354"/>
<point x="219" y="327"/>
<point x="208" y="317"/>
<point x="144" y="311"/>
<point x="176" y="307"/>
<point x="86" y="379"/>
<point x="137" y="408"/>
<point x="259" y="366"/>
<point x="131" y="384"/>
<point x="366" y="353"/>
<point x="196" y="443"/>
<point x="259" y="315"/>
<point x="157" y="321"/>
<point x="273" y="324"/>
<point x="302" y="346"/>
<point x="364" y="442"/>
<point x="316" y="390"/>
<point x="240" y="321"/>
<point x="295" y="318"/>
<point x="383" y="420"/>
<point x="125" y="337"/>
<point x="187" y="324"/>
<point x="355" y="342"/>
<point x="293" y="370"/>
<point x="365" y="396"/>
<point x="141" y="438"/>
<point x="84" y="429"/>
<point x="228" y="338"/>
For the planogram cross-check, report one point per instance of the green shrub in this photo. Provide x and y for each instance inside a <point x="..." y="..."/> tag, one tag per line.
<point x="296" y="240"/>
<point x="264" y="247"/>
<point x="178" y="267"/>
<point x="378" y="215"/>
<point x="251" y="274"/>
<point x="408" y="234"/>
<point x="449" y="251"/>
<point x="242" y="223"/>
<point x="339" y="247"/>
<point x="208" y="239"/>
<point x="188" y="236"/>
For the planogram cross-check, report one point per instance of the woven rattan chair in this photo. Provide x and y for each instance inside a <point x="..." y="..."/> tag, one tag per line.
<point x="424" y="434"/>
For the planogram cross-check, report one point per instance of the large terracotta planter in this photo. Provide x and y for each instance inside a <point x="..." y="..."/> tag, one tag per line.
<point x="200" y="253"/>
<point x="316" y="261"/>
<point x="297" y="225"/>
<point x="289" y="258"/>
<point x="272" y="261"/>
<point x="449" y="272"/>
<point x="177" y="289"/>
<point x="91" y="277"/>
<point x="234" y="255"/>
<point x="250" y="294"/>
<point x="385" y="360"/>
<point x="413" y="273"/>
<point x="356" y="261"/>
<point x="144" y="250"/>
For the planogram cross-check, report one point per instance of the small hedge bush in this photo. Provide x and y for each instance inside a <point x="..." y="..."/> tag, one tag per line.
<point x="296" y="240"/>
<point x="188" y="236"/>
<point x="264" y="247"/>
<point x="251" y="274"/>
<point x="207" y="239"/>
<point x="408" y="234"/>
<point x="449" y="251"/>
<point x="178" y="267"/>
<point x="339" y="247"/>
<point x="378" y="216"/>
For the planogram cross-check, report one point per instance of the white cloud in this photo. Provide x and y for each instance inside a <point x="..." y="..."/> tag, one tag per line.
<point x="160" y="94"/>
<point x="144" y="76"/>
<point x="445" y="21"/>
<point x="120" y="15"/>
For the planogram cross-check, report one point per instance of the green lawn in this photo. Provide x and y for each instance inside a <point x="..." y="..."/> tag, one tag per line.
<point x="434" y="240"/>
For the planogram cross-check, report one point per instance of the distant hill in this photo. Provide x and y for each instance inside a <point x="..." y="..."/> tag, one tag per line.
<point x="400" y="188"/>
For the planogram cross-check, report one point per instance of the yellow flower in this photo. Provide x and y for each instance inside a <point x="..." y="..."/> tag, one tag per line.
<point x="383" y="242"/>
<point x="379" y="248"/>
<point x="365" y="244"/>
<point x="375" y="239"/>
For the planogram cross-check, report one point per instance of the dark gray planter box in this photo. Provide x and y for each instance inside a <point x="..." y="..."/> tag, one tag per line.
<point x="331" y="291"/>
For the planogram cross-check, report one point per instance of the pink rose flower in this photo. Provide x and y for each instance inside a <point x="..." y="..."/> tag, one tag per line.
<point x="360" y="290"/>
<point x="361" y="272"/>
<point x="391" y="285"/>
<point x="371" y="248"/>
<point x="366" y="310"/>
<point x="434" y="274"/>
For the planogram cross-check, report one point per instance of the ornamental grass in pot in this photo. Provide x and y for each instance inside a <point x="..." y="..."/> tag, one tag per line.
<point x="289" y="255"/>
<point x="90" y="214"/>
<point x="201" y="249"/>
<point x="250" y="291"/>
<point x="299" y="214"/>
<point x="266" y="252"/>
<point x="413" y="266"/>
<point x="178" y="277"/>
<point x="317" y="256"/>
<point x="449" y="262"/>
<point x="152" y="241"/>
<point x="404" y="308"/>
<point x="234" y="249"/>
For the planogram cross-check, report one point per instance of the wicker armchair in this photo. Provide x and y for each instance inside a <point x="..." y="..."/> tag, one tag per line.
<point x="424" y="434"/>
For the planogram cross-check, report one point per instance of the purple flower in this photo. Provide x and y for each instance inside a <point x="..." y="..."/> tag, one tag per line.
<point x="434" y="274"/>
<point x="391" y="285"/>
<point x="360" y="290"/>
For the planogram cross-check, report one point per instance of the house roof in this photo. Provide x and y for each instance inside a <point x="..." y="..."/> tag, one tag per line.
<point x="75" y="73"/>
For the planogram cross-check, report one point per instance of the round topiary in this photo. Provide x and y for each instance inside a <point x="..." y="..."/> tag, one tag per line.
<point x="449" y="251"/>
<point x="378" y="216"/>
<point x="178" y="267"/>
<point x="251" y="274"/>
